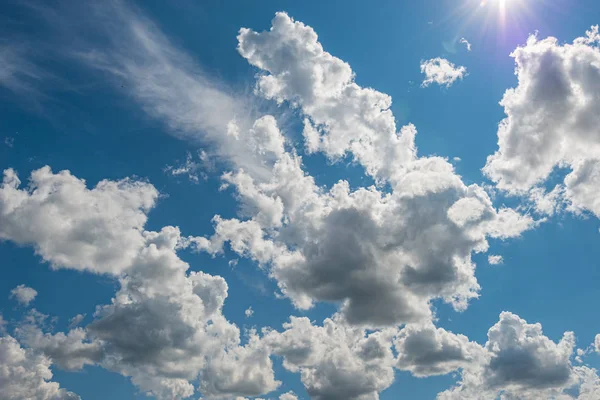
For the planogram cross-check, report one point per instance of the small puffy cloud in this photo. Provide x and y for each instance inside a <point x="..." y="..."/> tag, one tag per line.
<point x="288" y="396"/>
<point x="76" y="320"/>
<point x="597" y="343"/>
<point x="71" y="226"/>
<point x="521" y="363"/>
<point x="551" y="122"/>
<point x="466" y="43"/>
<point x="23" y="294"/>
<point x="26" y="375"/>
<point x="249" y="312"/>
<point x="495" y="259"/>
<point x="441" y="71"/>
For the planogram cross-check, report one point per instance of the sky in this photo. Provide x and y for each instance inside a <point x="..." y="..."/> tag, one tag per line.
<point x="300" y="200"/>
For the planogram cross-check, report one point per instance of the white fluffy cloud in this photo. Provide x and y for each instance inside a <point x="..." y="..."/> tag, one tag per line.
<point x="26" y="375"/>
<point x="495" y="259"/>
<point x="441" y="71"/>
<point x="335" y="361"/>
<point x="23" y="294"/>
<point x="552" y="119"/>
<point x="164" y="327"/>
<point x="288" y="396"/>
<point x="340" y="116"/>
<point x="71" y="226"/>
<point x="521" y="363"/>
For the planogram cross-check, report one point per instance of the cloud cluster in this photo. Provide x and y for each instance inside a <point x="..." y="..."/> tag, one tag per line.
<point x="382" y="255"/>
<point x="551" y="122"/>
<point x="164" y="327"/>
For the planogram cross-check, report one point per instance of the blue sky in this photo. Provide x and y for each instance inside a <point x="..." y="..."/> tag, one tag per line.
<point x="295" y="200"/>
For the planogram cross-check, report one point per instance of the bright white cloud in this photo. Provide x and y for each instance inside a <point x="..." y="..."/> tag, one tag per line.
<point x="441" y="71"/>
<point x="26" y="375"/>
<point x="71" y="226"/>
<point x="249" y="312"/>
<point x="495" y="259"/>
<point x="551" y="122"/>
<point x="340" y="116"/>
<point x="23" y="294"/>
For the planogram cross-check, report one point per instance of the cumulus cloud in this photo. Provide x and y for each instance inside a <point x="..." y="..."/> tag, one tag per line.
<point x="288" y="396"/>
<point x="164" y="328"/>
<point x="521" y="363"/>
<point x="441" y="71"/>
<point x="23" y="294"/>
<point x="26" y="375"/>
<point x="341" y="117"/>
<point x="335" y="361"/>
<point x="71" y="226"/>
<point x="425" y="350"/>
<point x="551" y="122"/>
<point x="249" y="312"/>
<point x="495" y="259"/>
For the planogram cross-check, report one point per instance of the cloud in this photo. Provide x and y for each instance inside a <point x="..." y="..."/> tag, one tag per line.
<point x="26" y="375"/>
<point x="466" y="43"/>
<point x="249" y="312"/>
<point x="71" y="226"/>
<point x="335" y="360"/>
<point x="288" y="396"/>
<point x="381" y="255"/>
<point x="425" y="350"/>
<point x="19" y="73"/>
<point x="521" y="363"/>
<point x="76" y="320"/>
<point x="23" y="294"/>
<point x="495" y="259"/>
<point x="341" y="117"/>
<point x="170" y="85"/>
<point x="597" y="343"/>
<point x="164" y="328"/>
<point x="441" y="71"/>
<point x="551" y="122"/>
